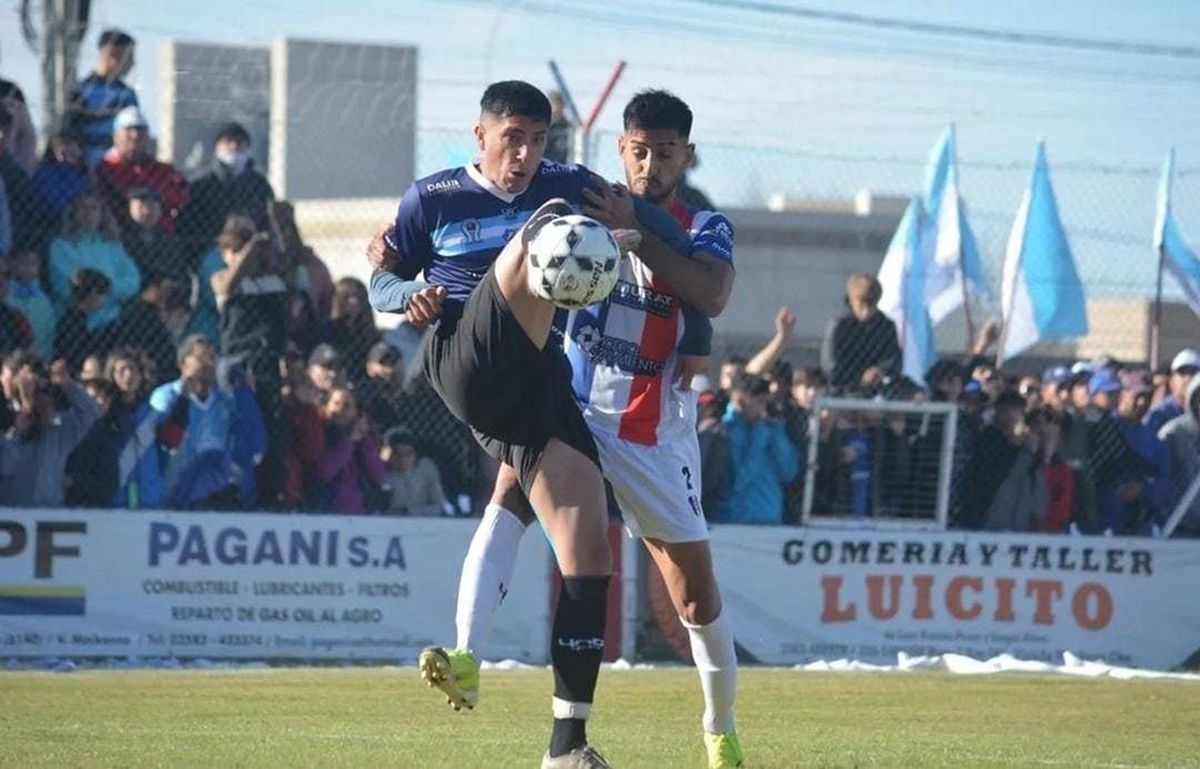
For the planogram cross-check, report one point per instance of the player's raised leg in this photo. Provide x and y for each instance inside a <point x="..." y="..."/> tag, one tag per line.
<point x="687" y="570"/>
<point x="486" y="574"/>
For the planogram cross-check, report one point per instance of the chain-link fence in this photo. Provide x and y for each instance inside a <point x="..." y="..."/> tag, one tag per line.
<point x="236" y="362"/>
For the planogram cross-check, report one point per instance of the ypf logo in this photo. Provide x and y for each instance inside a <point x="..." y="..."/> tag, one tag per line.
<point x="46" y="540"/>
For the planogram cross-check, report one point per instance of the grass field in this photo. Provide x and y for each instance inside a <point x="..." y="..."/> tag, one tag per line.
<point x="383" y="717"/>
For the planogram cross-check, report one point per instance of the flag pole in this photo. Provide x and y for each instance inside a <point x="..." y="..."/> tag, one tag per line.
<point x="1156" y="324"/>
<point x="966" y="303"/>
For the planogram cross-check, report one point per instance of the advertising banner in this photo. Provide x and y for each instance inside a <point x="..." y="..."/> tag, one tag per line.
<point x="260" y="586"/>
<point x="801" y="594"/>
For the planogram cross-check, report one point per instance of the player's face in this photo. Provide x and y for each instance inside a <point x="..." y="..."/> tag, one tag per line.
<point x="511" y="147"/>
<point x="654" y="161"/>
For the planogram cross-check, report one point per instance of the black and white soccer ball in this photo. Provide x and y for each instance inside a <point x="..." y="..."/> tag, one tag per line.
<point x="573" y="262"/>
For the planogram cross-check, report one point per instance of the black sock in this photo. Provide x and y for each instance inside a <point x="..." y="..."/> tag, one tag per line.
<point x="576" y="648"/>
<point x="567" y="734"/>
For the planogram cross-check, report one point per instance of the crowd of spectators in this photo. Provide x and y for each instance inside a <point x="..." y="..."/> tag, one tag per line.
<point x="172" y="342"/>
<point x="1099" y="446"/>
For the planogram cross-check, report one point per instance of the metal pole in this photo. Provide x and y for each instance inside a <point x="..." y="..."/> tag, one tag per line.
<point x="47" y="48"/>
<point x="1156" y="324"/>
<point x="1181" y="509"/>
<point x="568" y="101"/>
<point x="604" y="94"/>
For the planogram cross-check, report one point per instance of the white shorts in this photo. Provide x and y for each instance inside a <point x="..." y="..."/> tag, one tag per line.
<point x="657" y="487"/>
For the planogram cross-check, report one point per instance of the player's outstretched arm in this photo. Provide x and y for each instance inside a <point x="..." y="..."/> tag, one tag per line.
<point x="697" y="277"/>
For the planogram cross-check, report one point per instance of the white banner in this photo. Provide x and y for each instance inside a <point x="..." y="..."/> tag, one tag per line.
<point x="104" y="583"/>
<point x="800" y="594"/>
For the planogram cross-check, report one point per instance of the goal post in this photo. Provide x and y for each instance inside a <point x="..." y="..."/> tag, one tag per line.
<point x="879" y="464"/>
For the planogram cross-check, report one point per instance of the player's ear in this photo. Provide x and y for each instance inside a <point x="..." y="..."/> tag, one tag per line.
<point x="479" y="135"/>
<point x="689" y="155"/>
<point x="621" y="144"/>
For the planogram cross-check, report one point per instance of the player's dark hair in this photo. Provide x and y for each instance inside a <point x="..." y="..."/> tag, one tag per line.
<point x="655" y="110"/>
<point x="117" y="37"/>
<point x="510" y="98"/>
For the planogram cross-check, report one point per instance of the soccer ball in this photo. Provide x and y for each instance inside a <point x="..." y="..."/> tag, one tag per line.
<point x="573" y="262"/>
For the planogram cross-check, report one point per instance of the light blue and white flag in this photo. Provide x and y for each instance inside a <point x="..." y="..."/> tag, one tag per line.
<point x="903" y="277"/>
<point x="1177" y="258"/>
<point x="954" y="254"/>
<point x="1041" y="292"/>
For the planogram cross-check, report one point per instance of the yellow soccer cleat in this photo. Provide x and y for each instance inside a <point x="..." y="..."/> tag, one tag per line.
<point x="452" y="671"/>
<point x="724" y="750"/>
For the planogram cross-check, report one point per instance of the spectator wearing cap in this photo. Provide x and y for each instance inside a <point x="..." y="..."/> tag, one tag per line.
<point x="1054" y="381"/>
<point x="861" y="347"/>
<point x="21" y="140"/>
<point x="1006" y="491"/>
<point x="1184" y="366"/>
<point x="102" y="94"/>
<point x="90" y="240"/>
<point x="414" y="480"/>
<point x="1132" y="407"/>
<point x="1182" y="436"/>
<point x="29" y="224"/>
<point x="761" y="456"/>
<point x="231" y="184"/>
<point x="714" y="452"/>
<point x="352" y="326"/>
<point x="61" y="176"/>
<point x="129" y="164"/>
<point x="325" y="369"/>
<point x="382" y="392"/>
<point x="1121" y="474"/>
<point x="154" y="251"/>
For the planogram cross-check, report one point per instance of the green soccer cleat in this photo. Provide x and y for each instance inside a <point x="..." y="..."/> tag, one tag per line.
<point x="724" y="750"/>
<point x="454" y="672"/>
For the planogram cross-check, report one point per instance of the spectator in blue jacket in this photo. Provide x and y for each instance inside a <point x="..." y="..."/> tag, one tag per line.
<point x="761" y="456"/>
<point x="102" y="94"/>
<point x="196" y="424"/>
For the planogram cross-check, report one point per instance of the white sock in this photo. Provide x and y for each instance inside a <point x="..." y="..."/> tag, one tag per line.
<point x="486" y="574"/>
<point x="716" y="662"/>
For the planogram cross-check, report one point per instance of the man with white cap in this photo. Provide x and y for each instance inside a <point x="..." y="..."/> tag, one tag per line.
<point x="1185" y="366"/>
<point x="129" y="164"/>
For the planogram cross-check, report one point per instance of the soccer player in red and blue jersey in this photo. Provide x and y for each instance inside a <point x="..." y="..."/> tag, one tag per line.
<point x="627" y="374"/>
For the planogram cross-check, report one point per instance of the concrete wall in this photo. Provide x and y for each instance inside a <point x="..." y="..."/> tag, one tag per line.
<point x="343" y="119"/>
<point x="203" y="86"/>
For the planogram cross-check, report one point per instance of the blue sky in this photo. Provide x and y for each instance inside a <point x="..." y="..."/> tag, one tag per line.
<point x="785" y="104"/>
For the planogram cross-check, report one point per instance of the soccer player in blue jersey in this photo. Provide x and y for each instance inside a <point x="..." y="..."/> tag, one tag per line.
<point x="628" y="360"/>
<point x="466" y="229"/>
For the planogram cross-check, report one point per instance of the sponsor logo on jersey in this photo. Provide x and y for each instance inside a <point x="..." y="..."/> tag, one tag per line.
<point x="642" y="298"/>
<point x="510" y="213"/>
<point x="446" y="185"/>
<point x="618" y="353"/>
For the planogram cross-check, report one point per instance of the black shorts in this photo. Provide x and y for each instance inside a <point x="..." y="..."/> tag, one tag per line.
<point x="514" y="397"/>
